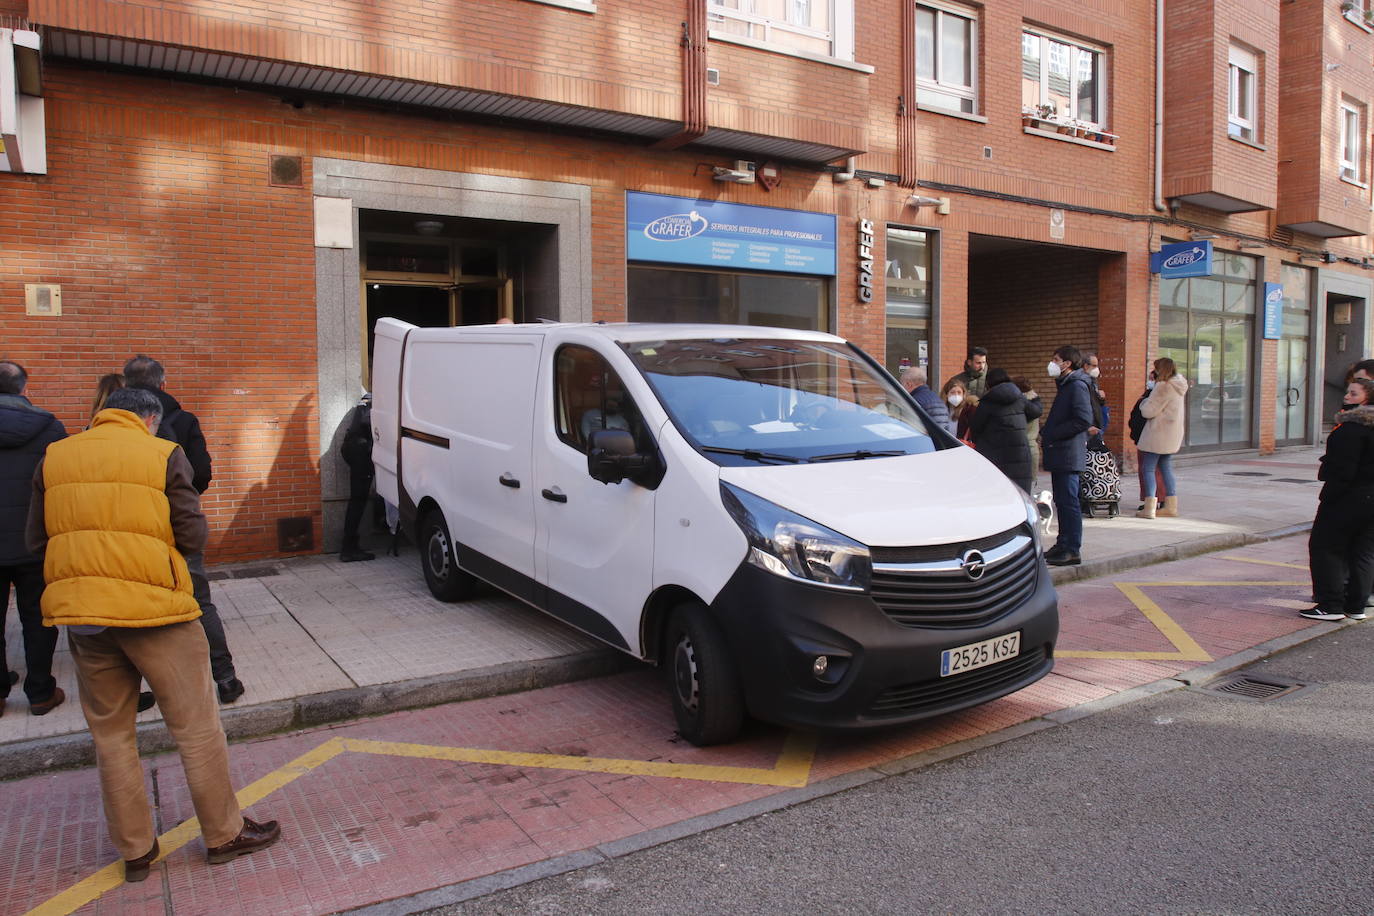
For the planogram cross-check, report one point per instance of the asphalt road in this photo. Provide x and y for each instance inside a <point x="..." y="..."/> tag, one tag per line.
<point x="1187" y="802"/>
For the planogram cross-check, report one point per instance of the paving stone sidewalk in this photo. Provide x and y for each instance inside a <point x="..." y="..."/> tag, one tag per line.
<point x="316" y="640"/>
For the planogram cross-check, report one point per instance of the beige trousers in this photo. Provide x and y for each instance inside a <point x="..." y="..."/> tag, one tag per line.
<point x="175" y="660"/>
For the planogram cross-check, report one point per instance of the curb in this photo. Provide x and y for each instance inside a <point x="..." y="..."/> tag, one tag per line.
<point x="1212" y="543"/>
<point x="36" y="755"/>
<point x="473" y="888"/>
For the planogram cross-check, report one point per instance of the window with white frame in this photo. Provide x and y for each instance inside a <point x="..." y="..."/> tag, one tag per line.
<point x="946" y="57"/>
<point x="821" y="27"/>
<point x="1352" y="140"/>
<point x="1242" y="111"/>
<point x="1357" y="11"/>
<point x="1063" y="79"/>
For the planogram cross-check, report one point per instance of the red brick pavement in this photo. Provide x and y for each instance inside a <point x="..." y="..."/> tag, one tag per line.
<point x="364" y="827"/>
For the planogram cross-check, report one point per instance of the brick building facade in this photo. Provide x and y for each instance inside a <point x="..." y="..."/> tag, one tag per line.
<point x="240" y="191"/>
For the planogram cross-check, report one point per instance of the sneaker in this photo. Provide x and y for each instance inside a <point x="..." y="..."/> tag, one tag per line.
<point x="1357" y="615"/>
<point x="1316" y="613"/>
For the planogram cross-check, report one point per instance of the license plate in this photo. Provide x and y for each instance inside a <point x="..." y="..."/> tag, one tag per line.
<point x="979" y="654"/>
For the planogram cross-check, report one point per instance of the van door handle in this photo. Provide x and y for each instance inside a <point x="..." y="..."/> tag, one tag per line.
<point x="507" y="480"/>
<point x="555" y="495"/>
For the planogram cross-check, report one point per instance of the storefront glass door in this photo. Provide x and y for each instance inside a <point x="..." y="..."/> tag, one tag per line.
<point x="1293" y="409"/>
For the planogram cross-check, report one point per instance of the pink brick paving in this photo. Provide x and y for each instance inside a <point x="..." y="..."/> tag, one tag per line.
<point x="363" y="827"/>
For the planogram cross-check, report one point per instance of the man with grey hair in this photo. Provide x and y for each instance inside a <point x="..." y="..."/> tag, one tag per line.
<point x="25" y="433"/>
<point x="114" y="515"/>
<point x="914" y="380"/>
<point x="182" y="427"/>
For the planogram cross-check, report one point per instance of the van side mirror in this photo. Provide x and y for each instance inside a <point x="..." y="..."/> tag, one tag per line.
<point x="611" y="458"/>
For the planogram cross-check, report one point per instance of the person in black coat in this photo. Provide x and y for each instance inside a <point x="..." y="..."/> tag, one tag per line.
<point x="998" y="428"/>
<point x="25" y="433"/>
<point x="1064" y="447"/>
<point x="1341" y="546"/>
<point x="357" y="454"/>
<point x="183" y="427"/>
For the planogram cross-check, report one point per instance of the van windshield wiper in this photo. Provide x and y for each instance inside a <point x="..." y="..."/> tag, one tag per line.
<point x="750" y="453"/>
<point x="860" y="453"/>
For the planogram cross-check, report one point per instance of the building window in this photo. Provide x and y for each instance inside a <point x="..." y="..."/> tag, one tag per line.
<point x="946" y="58"/>
<point x="685" y="295"/>
<point x="1357" y="11"/>
<point x="1063" y="79"/>
<point x="1242" y="109"/>
<point x="1352" y="140"/>
<point x="909" y="286"/>
<point x="808" y="26"/>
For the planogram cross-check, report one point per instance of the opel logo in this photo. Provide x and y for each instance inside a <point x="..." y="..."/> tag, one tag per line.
<point x="973" y="564"/>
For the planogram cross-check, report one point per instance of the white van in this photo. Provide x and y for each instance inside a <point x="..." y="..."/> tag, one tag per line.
<point x="763" y="512"/>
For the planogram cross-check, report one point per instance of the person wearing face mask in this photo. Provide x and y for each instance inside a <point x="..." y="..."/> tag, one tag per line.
<point x="974" y="377"/>
<point x="1063" y="441"/>
<point x="1341" y="546"/>
<point x="961" y="407"/>
<point x="1135" y="425"/>
<point x="1162" y="437"/>
<point x="1101" y="413"/>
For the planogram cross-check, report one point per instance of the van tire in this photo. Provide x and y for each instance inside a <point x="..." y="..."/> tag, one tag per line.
<point x="702" y="679"/>
<point x="445" y="579"/>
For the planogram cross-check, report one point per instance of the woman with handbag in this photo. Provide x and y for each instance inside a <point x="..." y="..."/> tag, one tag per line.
<point x="1162" y="437"/>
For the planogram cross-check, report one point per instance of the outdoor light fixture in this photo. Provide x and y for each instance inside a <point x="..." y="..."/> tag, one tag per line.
<point x="941" y="204"/>
<point x="429" y="226"/>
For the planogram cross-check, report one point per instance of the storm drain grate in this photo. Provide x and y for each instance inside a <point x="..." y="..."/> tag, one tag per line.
<point x="1250" y="687"/>
<point x="1246" y="474"/>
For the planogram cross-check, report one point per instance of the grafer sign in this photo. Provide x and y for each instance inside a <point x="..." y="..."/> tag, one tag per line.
<point x="1183" y="259"/>
<point x="865" y="260"/>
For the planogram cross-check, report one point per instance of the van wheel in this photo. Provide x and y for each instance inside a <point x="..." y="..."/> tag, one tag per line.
<point x="445" y="580"/>
<point x="706" y="693"/>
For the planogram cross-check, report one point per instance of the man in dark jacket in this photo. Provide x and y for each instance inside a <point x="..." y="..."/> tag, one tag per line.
<point x="998" y="428"/>
<point x="914" y="380"/>
<point x="182" y="427"/>
<point x="25" y="432"/>
<point x="1064" y="444"/>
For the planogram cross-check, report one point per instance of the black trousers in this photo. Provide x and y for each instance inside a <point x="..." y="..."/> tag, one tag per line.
<point x="359" y="496"/>
<point x="221" y="659"/>
<point x="39" y="641"/>
<point x="1340" y="552"/>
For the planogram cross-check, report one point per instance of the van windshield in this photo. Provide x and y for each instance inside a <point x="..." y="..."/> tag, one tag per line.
<point x="764" y="401"/>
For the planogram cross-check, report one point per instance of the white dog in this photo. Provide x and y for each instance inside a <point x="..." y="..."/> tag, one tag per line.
<point x="1044" y="503"/>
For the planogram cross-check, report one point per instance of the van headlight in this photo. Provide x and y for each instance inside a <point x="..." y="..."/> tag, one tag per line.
<point x="786" y="544"/>
<point x="1032" y="517"/>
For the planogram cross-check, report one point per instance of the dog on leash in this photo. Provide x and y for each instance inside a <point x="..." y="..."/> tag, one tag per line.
<point x="1044" y="504"/>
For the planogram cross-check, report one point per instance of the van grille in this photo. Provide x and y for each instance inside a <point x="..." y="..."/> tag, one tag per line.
<point x="945" y="692"/>
<point x="950" y="599"/>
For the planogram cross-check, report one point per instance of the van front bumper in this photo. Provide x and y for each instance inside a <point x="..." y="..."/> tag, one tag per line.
<point x="877" y="672"/>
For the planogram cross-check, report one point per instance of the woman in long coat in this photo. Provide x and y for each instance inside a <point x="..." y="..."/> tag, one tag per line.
<point x="1163" y="436"/>
<point x="1341" y="546"/>
<point x="998" y="428"/>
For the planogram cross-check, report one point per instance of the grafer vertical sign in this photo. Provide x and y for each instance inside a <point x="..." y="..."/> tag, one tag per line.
<point x="865" y="260"/>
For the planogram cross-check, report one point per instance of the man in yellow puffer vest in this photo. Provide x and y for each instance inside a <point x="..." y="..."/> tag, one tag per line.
<point x="113" y="513"/>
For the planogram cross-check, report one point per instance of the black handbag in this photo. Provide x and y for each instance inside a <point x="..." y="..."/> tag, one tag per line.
<point x="1137" y="421"/>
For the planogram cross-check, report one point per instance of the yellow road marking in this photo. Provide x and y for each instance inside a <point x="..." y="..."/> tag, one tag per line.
<point x="1187" y="648"/>
<point x="792" y="770"/>
<point x="1264" y="562"/>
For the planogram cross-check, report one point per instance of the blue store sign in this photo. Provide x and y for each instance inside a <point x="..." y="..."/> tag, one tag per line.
<point x="709" y="233"/>
<point x="1273" y="311"/>
<point x="1183" y="259"/>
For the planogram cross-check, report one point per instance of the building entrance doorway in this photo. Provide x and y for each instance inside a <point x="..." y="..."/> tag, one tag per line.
<point x="1345" y="336"/>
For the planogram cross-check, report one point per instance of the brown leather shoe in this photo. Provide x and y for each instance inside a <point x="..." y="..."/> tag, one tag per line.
<point x="48" y="705"/>
<point x="136" y="870"/>
<point x="251" y="838"/>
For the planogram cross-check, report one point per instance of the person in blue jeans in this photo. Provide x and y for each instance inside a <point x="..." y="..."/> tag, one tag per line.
<point x="1064" y="446"/>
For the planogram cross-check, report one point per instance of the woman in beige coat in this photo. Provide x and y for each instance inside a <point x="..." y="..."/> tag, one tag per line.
<point x="1163" y="436"/>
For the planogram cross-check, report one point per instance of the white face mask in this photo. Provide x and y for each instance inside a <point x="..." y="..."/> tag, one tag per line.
<point x="1052" y="370"/>
<point x="1150" y="385"/>
<point x="955" y="400"/>
<point x="1094" y="372"/>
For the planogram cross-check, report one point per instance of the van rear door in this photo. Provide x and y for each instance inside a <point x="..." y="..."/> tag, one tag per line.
<point x="386" y="399"/>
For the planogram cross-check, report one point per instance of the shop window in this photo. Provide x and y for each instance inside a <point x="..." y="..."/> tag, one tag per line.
<point x="1352" y="141"/>
<point x="818" y="27"/>
<point x="1293" y="392"/>
<point x="946" y="57"/>
<point x="1242" y="112"/>
<point x="1063" y="79"/>
<point x="684" y="295"/>
<point x="1207" y="327"/>
<point x="907" y="283"/>
<point x="588" y="395"/>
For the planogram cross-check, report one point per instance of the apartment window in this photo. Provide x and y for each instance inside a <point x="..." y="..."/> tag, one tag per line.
<point x="1063" y="79"/>
<point x="807" y="26"/>
<point x="1357" y="11"/>
<point x="946" y="57"/>
<point x="1352" y="140"/>
<point x="1242" y="109"/>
